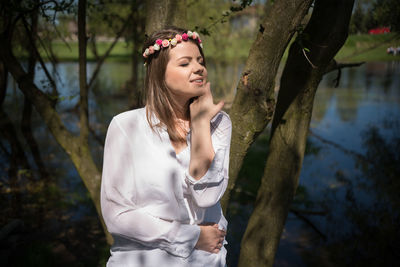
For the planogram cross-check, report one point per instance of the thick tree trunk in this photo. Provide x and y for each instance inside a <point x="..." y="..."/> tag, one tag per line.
<point x="254" y="102"/>
<point x="164" y="13"/>
<point x="324" y="36"/>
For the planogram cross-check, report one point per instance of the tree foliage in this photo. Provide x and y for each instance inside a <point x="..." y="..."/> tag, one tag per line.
<point x="369" y="14"/>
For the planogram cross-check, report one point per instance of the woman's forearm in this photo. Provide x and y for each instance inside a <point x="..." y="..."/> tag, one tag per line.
<point x="202" y="152"/>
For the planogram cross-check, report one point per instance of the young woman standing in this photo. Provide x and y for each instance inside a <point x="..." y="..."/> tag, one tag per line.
<point x="165" y="165"/>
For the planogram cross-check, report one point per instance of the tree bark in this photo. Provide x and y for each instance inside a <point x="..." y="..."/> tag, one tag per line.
<point x="3" y="82"/>
<point x="82" y="43"/>
<point x="254" y="102"/>
<point x="324" y="35"/>
<point x="26" y="124"/>
<point x="135" y="92"/>
<point x="165" y="13"/>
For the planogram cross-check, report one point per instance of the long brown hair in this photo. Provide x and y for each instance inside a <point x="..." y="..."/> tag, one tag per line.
<point x="159" y="100"/>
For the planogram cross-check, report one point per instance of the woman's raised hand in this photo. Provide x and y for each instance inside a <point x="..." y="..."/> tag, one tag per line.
<point x="211" y="238"/>
<point x="203" y="107"/>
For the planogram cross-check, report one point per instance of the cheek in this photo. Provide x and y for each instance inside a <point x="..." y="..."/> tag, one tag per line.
<point x="174" y="76"/>
<point x="176" y="80"/>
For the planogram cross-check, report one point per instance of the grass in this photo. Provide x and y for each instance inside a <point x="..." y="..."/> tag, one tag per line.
<point x="121" y="52"/>
<point x="367" y="47"/>
<point x="362" y="47"/>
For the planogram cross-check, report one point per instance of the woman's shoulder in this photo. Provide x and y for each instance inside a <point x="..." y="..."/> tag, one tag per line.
<point x="130" y="114"/>
<point x="130" y="119"/>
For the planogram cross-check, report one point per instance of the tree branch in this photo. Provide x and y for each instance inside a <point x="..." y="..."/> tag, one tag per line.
<point x="334" y="65"/>
<point x="308" y="222"/>
<point x="37" y="54"/>
<point x="107" y="53"/>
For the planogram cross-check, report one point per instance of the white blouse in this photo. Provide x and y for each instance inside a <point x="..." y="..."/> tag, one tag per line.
<point x="150" y="203"/>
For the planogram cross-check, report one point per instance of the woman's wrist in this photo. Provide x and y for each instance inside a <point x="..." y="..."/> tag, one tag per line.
<point x="200" y="123"/>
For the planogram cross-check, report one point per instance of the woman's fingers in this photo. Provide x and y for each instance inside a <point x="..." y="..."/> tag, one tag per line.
<point x="218" y="107"/>
<point x="203" y="106"/>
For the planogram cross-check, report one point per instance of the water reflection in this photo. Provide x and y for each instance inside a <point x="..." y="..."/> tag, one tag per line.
<point x="345" y="216"/>
<point x="353" y="177"/>
<point x="368" y="214"/>
<point x="342" y="195"/>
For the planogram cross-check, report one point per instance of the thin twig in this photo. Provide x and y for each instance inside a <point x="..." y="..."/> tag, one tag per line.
<point x="307" y="221"/>
<point x="309" y="61"/>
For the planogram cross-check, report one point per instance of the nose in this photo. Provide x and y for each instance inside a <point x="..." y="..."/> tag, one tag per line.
<point x="198" y="68"/>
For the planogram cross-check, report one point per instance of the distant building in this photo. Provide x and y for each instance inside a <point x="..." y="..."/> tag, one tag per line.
<point x="379" y="30"/>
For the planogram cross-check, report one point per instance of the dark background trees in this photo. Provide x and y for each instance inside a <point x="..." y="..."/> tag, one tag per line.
<point x="370" y="14"/>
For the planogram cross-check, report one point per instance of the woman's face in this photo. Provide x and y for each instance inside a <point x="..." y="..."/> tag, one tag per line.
<point x="185" y="74"/>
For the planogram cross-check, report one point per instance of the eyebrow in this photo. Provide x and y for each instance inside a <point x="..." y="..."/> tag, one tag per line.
<point x="188" y="57"/>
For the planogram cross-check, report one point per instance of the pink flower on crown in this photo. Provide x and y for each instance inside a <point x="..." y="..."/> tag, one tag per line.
<point x="165" y="43"/>
<point x="194" y="35"/>
<point x="185" y="36"/>
<point x="199" y="40"/>
<point x="178" y="37"/>
<point x="159" y="41"/>
<point x="151" y="50"/>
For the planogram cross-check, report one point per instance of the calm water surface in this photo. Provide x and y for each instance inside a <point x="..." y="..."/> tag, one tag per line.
<point x="347" y="179"/>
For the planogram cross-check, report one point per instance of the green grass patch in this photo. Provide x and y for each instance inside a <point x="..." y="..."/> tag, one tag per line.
<point x="362" y="47"/>
<point x="366" y="47"/>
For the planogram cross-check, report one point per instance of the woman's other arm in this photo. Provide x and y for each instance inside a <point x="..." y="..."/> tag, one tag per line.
<point x="208" y="169"/>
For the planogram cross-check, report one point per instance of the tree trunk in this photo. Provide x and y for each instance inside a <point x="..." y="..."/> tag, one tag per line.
<point x="254" y="102"/>
<point x="324" y="36"/>
<point x="134" y="90"/>
<point x="77" y="150"/>
<point x="83" y="104"/>
<point x="26" y="124"/>
<point x="163" y="13"/>
<point x="3" y="82"/>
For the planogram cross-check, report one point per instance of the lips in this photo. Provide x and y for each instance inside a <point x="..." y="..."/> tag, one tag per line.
<point x="197" y="80"/>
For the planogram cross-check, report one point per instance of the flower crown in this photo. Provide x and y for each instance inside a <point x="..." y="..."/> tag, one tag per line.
<point x="166" y="43"/>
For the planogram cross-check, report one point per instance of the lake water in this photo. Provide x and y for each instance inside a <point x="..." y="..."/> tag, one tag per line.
<point x="346" y="210"/>
<point x="352" y="174"/>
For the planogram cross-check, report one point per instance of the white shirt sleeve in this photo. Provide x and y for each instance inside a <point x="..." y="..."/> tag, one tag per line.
<point x="119" y="209"/>
<point x="209" y="189"/>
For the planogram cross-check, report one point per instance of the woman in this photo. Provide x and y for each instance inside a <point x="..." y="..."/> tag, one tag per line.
<point x="166" y="165"/>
